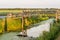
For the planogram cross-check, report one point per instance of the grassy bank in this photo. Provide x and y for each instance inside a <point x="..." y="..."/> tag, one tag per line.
<point x="54" y="30"/>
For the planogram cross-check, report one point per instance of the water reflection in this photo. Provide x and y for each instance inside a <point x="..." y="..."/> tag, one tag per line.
<point x="2" y="16"/>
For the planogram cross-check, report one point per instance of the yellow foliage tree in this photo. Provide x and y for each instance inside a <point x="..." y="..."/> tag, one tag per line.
<point x="27" y="23"/>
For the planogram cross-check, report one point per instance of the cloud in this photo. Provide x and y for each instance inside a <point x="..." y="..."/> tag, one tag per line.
<point x="29" y="4"/>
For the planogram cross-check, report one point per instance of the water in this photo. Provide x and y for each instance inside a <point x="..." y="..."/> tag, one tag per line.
<point x="38" y="30"/>
<point x="2" y="16"/>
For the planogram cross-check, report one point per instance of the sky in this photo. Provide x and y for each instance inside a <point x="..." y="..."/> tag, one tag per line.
<point x="29" y="3"/>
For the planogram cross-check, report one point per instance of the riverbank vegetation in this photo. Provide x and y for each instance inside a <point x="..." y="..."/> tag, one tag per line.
<point x="53" y="34"/>
<point x="15" y="23"/>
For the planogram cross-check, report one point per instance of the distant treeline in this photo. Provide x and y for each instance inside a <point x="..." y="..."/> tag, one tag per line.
<point x="5" y="13"/>
<point x="30" y="10"/>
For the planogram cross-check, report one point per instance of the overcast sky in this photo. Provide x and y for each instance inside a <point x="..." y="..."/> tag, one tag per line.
<point x="29" y="3"/>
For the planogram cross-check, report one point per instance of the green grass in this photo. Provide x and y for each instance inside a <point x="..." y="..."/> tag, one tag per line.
<point x="52" y="35"/>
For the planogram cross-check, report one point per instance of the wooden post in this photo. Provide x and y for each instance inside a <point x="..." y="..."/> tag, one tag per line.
<point x="5" y="28"/>
<point x="22" y="24"/>
<point x="23" y="21"/>
<point x="56" y="15"/>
